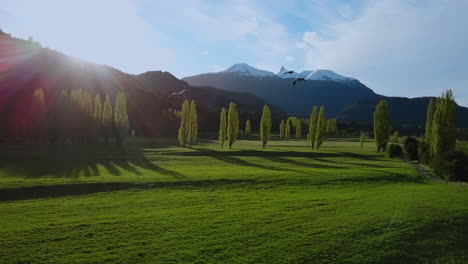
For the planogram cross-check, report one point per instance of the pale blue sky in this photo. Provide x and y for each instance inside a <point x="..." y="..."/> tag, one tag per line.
<point x="396" y="47"/>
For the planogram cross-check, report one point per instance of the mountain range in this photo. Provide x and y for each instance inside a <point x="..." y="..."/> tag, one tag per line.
<point x="27" y="66"/>
<point x="345" y="98"/>
<point x="277" y="89"/>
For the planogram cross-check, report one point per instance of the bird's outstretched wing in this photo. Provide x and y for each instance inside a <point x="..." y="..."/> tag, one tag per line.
<point x="288" y="72"/>
<point x="183" y="91"/>
<point x="298" y="80"/>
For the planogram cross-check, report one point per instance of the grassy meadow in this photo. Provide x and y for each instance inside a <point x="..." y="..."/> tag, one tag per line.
<point x="155" y="202"/>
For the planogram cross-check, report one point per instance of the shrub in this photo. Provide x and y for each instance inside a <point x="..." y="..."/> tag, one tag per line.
<point x="424" y="154"/>
<point x="394" y="151"/>
<point x="452" y="166"/>
<point x="411" y="146"/>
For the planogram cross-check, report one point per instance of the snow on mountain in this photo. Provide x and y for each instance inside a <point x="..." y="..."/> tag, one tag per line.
<point x="285" y="73"/>
<point x="326" y="75"/>
<point x="282" y="71"/>
<point x="248" y="70"/>
<point x="313" y="75"/>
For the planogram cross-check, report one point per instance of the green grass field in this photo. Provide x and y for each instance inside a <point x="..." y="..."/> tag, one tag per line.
<point x="159" y="203"/>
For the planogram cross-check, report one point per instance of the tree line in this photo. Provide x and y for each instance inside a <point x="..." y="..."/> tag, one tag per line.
<point x="318" y="126"/>
<point x="437" y="148"/>
<point x="75" y="116"/>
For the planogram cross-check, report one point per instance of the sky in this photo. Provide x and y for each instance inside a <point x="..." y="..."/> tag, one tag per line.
<point x="396" y="47"/>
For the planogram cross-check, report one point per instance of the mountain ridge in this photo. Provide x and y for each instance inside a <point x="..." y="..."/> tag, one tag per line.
<point x="348" y="100"/>
<point x="295" y="99"/>
<point x="28" y="67"/>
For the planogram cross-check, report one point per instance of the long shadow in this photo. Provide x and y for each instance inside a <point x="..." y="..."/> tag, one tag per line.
<point x="236" y="161"/>
<point x="61" y="190"/>
<point x="36" y="161"/>
<point x="368" y="165"/>
<point x="281" y="157"/>
<point x="259" y="153"/>
<point x="298" y="163"/>
<point x="388" y="177"/>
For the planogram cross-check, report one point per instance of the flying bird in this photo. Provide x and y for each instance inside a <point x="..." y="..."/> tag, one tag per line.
<point x="178" y="94"/>
<point x="298" y="80"/>
<point x="288" y="72"/>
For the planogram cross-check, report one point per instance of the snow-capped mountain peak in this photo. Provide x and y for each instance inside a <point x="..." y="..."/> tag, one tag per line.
<point x="282" y="71"/>
<point x="327" y="75"/>
<point x="246" y="69"/>
<point x="320" y="74"/>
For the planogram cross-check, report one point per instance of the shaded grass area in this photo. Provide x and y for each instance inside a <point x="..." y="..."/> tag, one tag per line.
<point x="165" y="204"/>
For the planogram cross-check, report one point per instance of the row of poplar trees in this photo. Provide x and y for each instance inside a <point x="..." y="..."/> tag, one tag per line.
<point x="73" y="116"/>
<point x="229" y="125"/>
<point x="285" y="127"/>
<point x="441" y="128"/>
<point x="100" y="121"/>
<point x="318" y="126"/>
<point x="188" y="124"/>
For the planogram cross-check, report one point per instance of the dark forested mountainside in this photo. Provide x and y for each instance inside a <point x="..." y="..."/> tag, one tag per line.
<point x="26" y="67"/>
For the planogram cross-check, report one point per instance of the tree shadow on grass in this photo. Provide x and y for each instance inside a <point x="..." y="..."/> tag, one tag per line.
<point x="266" y="153"/>
<point x="352" y="164"/>
<point x="382" y="177"/>
<point x="281" y="157"/>
<point x="221" y="156"/>
<point x="299" y="163"/>
<point x="74" y="161"/>
<point x="62" y="190"/>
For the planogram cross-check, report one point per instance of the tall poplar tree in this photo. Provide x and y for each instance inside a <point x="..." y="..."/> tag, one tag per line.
<point x="184" y="123"/>
<point x="282" y="128"/>
<point x="321" y="127"/>
<point x="97" y="116"/>
<point x="233" y="124"/>
<point x="287" y="129"/>
<point x="222" y="127"/>
<point x="193" y="124"/>
<point x="88" y="105"/>
<point x="429" y="122"/>
<point x="107" y="120"/>
<point x="331" y="126"/>
<point x="121" y="117"/>
<point x="362" y="139"/>
<point x="265" y="126"/>
<point x="313" y="126"/>
<point x="381" y="125"/>
<point x="247" y="128"/>
<point x="298" y="129"/>
<point x="444" y="132"/>
<point x="38" y="113"/>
